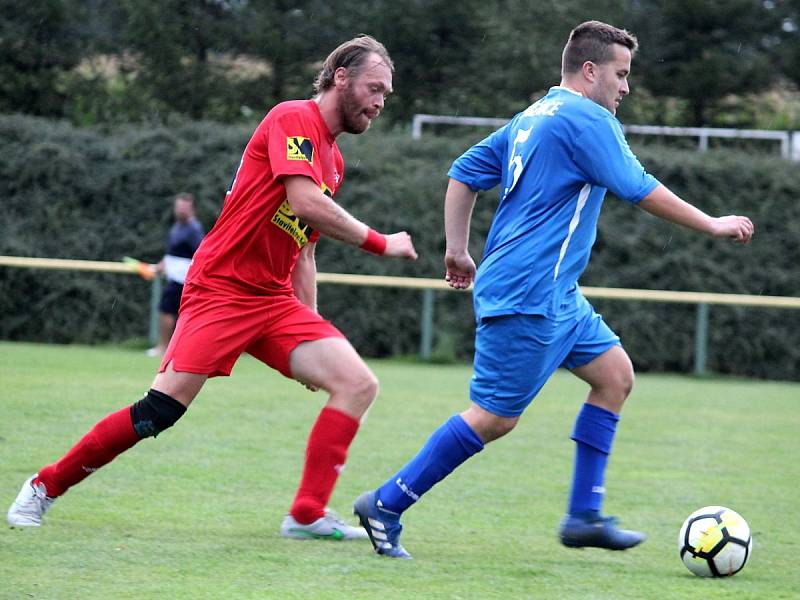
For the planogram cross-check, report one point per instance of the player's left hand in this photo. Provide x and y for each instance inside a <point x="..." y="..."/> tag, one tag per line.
<point x="737" y="228"/>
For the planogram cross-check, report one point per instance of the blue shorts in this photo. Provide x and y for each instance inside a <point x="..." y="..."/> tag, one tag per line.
<point x="515" y="355"/>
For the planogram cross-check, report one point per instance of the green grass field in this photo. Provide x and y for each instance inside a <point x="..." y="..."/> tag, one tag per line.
<point x="195" y="513"/>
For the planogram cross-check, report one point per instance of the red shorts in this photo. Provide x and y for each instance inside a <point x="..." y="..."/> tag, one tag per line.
<point x="215" y="328"/>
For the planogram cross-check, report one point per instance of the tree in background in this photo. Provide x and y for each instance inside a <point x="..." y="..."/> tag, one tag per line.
<point x="291" y="38"/>
<point x="521" y="54"/>
<point x="785" y="39"/>
<point x="39" y="42"/>
<point x="94" y="61"/>
<point x="171" y="40"/>
<point x="704" y="51"/>
<point x="432" y="44"/>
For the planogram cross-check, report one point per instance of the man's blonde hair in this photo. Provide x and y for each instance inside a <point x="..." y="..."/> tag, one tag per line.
<point x="351" y="55"/>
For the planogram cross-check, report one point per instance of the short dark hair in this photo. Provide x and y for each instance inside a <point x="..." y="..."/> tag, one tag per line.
<point x="352" y="54"/>
<point x="593" y="41"/>
<point x="185" y="196"/>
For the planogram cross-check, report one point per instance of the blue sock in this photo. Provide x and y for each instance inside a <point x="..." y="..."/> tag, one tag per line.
<point x="593" y="435"/>
<point x="449" y="446"/>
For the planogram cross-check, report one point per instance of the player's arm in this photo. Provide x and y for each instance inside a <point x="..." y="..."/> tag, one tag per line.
<point x="664" y="204"/>
<point x="607" y="160"/>
<point x="311" y="206"/>
<point x="459" y="203"/>
<point x="479" y="168"/>
<point x="304" y="277"/>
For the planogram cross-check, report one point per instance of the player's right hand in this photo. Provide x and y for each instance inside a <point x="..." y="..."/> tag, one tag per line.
<point x="460" y="269"/>
<point x="399" y="245"/>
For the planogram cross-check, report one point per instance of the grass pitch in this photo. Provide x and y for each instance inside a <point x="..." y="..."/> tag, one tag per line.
<point x="195" y="513"/>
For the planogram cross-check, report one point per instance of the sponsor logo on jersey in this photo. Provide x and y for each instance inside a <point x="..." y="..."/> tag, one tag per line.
<point x="286" y="220"/>
<point x="299" y="148"/>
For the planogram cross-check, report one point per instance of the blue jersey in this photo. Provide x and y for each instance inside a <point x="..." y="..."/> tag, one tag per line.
<point x="554" y="163"/>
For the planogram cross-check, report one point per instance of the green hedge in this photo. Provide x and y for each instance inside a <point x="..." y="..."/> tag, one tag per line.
<point x="101" y="195"/>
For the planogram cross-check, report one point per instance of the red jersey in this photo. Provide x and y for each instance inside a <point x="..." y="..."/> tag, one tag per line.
<point x="254" y="245"/>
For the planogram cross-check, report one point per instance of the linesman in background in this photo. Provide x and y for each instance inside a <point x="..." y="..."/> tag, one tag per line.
<point x="183" y="239"/>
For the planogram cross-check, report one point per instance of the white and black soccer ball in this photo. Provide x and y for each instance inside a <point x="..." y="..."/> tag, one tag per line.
<point x="715" y="542"/>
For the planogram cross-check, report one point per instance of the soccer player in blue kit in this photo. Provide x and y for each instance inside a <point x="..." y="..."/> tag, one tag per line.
<point x="554" y="163"/>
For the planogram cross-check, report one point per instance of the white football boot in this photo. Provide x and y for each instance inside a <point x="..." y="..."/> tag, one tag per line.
<point x="31" y="504"/>
<point x="329" y="527"/>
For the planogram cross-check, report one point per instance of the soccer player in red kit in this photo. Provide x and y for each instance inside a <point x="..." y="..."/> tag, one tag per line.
<point x="252" y="288"/>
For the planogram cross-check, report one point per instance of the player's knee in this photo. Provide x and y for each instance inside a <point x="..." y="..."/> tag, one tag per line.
<point x="358" y="388"/>
<point x="490" y="427"/>
<point x="624" y="381"/>
<point x="154" y="413"/>
<point x="503" y="425"/>
<point x="365" y="387"/>
<point x="618" y="390"/>
<point x="617" y="383"/>
<point x="627" y="382"/>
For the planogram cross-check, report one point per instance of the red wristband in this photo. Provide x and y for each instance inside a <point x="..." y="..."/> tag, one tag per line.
<point x="375" y="242"/>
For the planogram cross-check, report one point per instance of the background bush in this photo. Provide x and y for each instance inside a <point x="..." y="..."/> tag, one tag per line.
<point x="102" y="194"/>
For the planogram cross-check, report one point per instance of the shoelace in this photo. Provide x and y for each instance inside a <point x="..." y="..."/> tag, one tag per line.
<point x="40" y="498"/>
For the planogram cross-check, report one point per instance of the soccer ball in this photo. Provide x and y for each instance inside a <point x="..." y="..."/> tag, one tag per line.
<point x="715" y="542"/>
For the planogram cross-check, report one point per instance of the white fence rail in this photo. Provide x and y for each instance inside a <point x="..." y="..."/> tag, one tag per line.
<point x="789" y="141"/>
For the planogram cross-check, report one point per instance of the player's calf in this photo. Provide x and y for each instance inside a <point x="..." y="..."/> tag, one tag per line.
<point x="111" y="436"/>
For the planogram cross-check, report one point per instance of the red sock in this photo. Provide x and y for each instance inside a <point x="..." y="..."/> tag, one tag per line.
<point x="109" y="437"/>
<point x="326" y="453"/>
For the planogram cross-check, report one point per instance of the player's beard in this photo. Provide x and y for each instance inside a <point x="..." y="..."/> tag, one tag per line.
<point x="352" y="113"/>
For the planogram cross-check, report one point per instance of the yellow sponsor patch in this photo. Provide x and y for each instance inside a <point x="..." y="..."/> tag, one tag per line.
<point x="286" y="220"/>
<point x="299" y="148"/>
